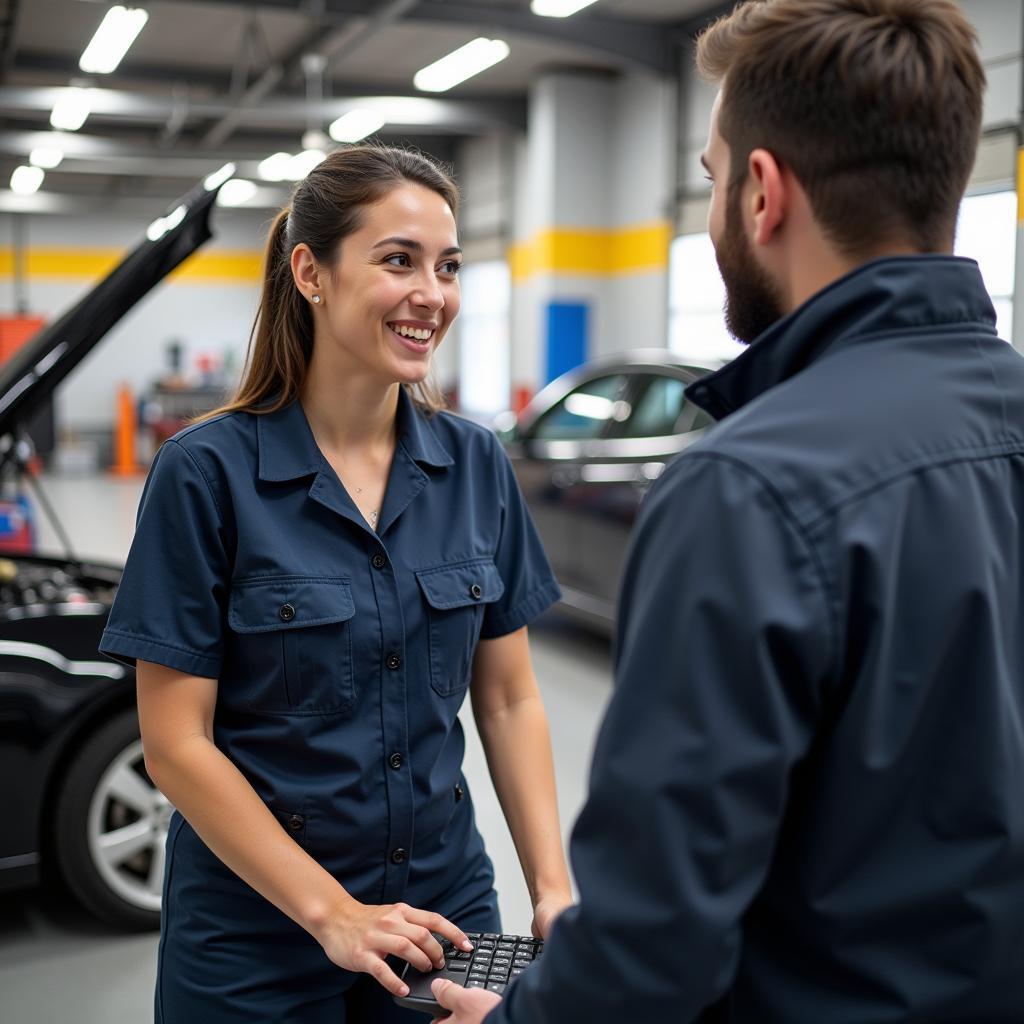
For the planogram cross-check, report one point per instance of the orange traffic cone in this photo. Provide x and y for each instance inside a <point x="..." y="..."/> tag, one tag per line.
<point x="124" y="435"/>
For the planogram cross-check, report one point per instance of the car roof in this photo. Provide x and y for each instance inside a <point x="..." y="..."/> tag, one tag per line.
<point x="632" y="361"/>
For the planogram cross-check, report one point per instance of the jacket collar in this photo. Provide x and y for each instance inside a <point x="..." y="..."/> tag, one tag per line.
<point x="888" y="295"/>
<point x="288" y="450"/>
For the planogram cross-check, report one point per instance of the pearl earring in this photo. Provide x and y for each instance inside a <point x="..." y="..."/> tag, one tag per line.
<point x="316" y="299"/>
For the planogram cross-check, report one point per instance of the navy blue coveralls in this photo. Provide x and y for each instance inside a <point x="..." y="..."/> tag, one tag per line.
<point x="342" y="658"/>
<point x="807" y="798"/>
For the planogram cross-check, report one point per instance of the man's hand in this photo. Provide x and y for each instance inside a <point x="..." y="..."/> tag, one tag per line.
<point x="468" y="1005"/>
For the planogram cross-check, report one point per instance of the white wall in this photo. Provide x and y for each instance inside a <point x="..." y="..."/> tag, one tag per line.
<point x="998" y="23"/>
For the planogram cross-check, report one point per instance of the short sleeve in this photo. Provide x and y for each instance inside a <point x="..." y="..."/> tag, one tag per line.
<point x="170" y="605"/>
<point x="530" y="585"/>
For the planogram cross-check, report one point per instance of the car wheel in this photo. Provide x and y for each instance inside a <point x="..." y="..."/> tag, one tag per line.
<point x="110" y="827"/>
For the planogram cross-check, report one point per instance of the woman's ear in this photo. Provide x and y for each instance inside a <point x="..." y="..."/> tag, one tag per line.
<point x="769" y="198"/>
<point x="306" y="271"/>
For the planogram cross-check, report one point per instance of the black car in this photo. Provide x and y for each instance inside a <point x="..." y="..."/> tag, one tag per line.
<point x="586" y="449"/>
<point x="74" y="795"/>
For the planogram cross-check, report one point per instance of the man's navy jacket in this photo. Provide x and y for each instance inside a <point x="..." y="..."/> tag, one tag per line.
<point x="807" y="797"/>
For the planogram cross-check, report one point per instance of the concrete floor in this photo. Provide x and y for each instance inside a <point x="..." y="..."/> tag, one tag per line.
<point x="57" y="966"/>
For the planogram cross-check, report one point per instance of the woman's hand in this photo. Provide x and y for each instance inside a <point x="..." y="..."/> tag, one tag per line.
<point x="360" y="937"/>
<point x="546" y="909"/>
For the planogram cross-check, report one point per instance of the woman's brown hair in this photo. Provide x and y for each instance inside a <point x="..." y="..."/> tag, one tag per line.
<point x="326" y="207"/>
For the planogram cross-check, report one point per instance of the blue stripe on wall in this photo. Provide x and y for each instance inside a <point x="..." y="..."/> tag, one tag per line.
<point x="566" y="337"/>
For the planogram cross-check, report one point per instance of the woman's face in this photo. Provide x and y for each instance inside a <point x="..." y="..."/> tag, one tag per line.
<point x="394" y="290"/>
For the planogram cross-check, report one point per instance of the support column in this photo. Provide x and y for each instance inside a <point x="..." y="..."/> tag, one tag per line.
<point x="1018" y="282"/>
<point x="591" y="222"/>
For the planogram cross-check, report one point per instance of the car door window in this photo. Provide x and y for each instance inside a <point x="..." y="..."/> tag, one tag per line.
<point x="586" y="412"/>
<point x="662" y="409"/>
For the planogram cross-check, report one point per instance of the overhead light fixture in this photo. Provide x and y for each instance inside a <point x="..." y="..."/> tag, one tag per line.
<point x="275" y="168"/>
<point x="71" y="109"/>
<point x="463" y="63"/>
<point x="356" y="125"/>
<point x="46" y="157"/>
<point x="115" y="35"/>
<point x="236" y="192"/>
<point x="559" y="8"/>
<point x="313" y="138"/>
<point x="25" y="180"/>
<point x="302" y="163"/>
<point x="289" y="166"/>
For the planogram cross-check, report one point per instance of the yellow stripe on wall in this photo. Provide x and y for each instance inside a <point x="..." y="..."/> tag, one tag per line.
<point x="1020" y="187"/>
<point x="597" y="252"/>
<point x="217" y="267"/>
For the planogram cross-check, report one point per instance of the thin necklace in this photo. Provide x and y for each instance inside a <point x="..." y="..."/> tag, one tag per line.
<point x="372" y="514"/>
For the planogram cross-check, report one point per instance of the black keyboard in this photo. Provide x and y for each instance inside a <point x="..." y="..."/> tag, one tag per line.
<point x="496" y="961"/>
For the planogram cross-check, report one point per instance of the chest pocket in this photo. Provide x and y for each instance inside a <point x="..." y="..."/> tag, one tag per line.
<point x="293" y="651"/>
<point x="456" y="595"/>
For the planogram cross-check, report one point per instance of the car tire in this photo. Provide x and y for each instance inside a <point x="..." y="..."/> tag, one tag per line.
<point x="110" y="827"/>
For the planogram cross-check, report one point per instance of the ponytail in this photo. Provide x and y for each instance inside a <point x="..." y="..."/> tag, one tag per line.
<point x="325" y="208"/>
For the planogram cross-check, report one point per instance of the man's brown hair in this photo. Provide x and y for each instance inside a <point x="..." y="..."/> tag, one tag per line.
<point x="875" y="106"/>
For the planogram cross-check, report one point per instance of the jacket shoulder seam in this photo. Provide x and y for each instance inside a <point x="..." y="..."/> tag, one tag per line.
<point x="798" y="528"/>
<point x="934" y="460"/>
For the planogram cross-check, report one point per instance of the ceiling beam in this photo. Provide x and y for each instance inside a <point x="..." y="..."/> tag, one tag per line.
<point x="630" y="44"/>
<point x="96" y="155"/>
<point x="47" y="201"/>
<point x="61" y="69"/>
<point x="9" y="39"/>
<point x="457" y="116"/>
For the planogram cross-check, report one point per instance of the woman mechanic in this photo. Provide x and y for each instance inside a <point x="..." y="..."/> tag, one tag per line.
<point x="319" y="570"/>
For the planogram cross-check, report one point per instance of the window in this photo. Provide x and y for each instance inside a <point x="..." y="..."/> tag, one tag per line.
<point x="697" y="303"/>
<point x="661" y="410"/>
<point x="586" y="412"/>
<point x="986" y="231"/>
<point x="484" y="360"/>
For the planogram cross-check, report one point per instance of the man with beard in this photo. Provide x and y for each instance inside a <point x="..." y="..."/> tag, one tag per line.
<point x="805" y="801"/>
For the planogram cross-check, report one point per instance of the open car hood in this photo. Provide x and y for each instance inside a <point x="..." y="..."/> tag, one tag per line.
<point x="32" y="374"/>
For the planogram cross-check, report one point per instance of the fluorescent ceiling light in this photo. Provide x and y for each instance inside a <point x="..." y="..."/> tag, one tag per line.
<point x="215" y="180"/>
<point x="47" y="157"/>
<point x="71" y="109"/>
<point x="463" y="63"/>
<point x="289" y="167"/>
<point x="355" y="125"/>
<point x="25" y="180"/>
<point x="302" y="163"/>
<point x="559" y="8"/>
<point x="236" y="192"/>
<point x="115" y="35"/>
<point x="275" y="168"/>
<point x="315" y="139"/>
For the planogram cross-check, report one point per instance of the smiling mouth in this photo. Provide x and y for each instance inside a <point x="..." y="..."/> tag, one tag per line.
<point x="418" y="335"/>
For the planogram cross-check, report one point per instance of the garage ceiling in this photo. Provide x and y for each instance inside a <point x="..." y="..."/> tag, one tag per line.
<point x="214" y="80"/>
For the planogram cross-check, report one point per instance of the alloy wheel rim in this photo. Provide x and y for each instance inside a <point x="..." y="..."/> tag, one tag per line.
<point x="127" y="828"/>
